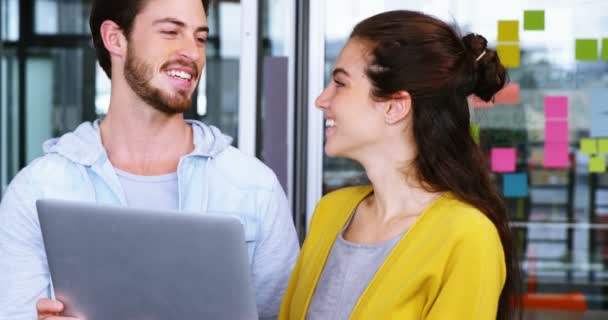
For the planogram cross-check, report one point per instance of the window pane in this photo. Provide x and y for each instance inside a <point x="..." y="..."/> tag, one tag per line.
<point x="9" y="116"/>
<point x="59" y="94"/>
<point x="50" y="16"/>
<point x="219" y="106"/>
<point x="9" y="20"/>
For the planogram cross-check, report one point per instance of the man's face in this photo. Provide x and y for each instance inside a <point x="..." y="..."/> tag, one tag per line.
<point x="166" y="53"/>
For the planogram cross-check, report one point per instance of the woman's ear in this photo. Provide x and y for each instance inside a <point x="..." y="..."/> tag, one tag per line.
<point x="113" y="38"/>
<point x="398" y="107"/>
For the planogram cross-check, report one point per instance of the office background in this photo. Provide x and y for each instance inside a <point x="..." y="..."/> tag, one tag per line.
<point x="545" y="135"/>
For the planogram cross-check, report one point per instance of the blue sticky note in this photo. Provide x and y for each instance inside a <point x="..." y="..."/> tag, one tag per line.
<point x="515" y="185"/>
<point x="599" y="113"/>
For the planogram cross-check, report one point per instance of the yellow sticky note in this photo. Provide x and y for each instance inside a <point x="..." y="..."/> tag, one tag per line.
<point x="475" y="132"/>
<point x="588" y="146"/>
<point x="509" y="55"/>
<point x="597" y="164"/>
<point x="508" y="30"/>
<point x="602" y="146"/>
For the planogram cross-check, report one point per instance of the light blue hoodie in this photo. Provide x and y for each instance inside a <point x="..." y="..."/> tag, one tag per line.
<point x="215" y="177"/>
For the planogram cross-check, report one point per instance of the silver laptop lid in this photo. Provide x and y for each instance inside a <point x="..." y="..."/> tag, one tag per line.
<point x="121" y="263"/>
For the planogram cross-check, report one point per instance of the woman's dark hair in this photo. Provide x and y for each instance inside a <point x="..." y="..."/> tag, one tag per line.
<point x="426" y="57"/>
<point x="123" y="13"/>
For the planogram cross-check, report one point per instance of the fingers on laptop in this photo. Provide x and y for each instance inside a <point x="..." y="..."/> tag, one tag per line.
<point x="49" y="310"/>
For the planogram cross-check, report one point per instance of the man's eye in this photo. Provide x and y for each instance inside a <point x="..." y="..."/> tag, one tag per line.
<point x="169" y="32"/>
<point x="338" y="83"/>
<point x="201" y="40"/>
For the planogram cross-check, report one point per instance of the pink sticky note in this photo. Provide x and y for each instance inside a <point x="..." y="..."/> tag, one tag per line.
<point x="509" y="94"/>
<point x="556" y="107"/>
<point x="503" y="159"/>
<point x="556" y="131"/>
<point x="556" y="155"/>
<point x="476" y="102"/>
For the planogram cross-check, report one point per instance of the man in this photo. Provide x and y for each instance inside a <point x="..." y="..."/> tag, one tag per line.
<point x="143" y="154"/>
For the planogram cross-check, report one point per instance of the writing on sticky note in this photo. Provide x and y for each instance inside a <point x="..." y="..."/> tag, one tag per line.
<point x="605" y="49"/>
<point x="534" y="20"/>
<point x="556" y="131"/>
<point x="602" y="146"/>
<point x="588" y="146"/>
<point x="556" y="155"/>
<point x="509" y="94"/>
<point x="476" y="102"/>
<point x="586" y="49"/>
<point x="509" y="55"/>
<point x="515" y="185"/>
<point x="556" y="107"/>
<point x="508" y="30"/>
<point x="599" y="113"/>
<point x="597" y="164"/>
<point x="503" y="159"/>
<point x="475" y="132"/>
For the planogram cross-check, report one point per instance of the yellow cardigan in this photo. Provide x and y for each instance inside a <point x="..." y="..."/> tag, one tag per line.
<point x="449" y="265"/>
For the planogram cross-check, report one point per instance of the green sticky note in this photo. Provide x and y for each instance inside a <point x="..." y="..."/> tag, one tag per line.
<point x="534" y="20"/>
<point x="508" y="30"/>
<point x="588" y="146"/>
<point x="509" y="55"/>
<point x="586" y="49"/>
<point x="605" y="49"/>
<point x="475" y="132"/>
<point x="602" y="145"/>
<point x="597" y="164"/>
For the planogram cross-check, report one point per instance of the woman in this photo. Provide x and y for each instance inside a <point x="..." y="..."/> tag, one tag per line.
<point x="429" y="239"/>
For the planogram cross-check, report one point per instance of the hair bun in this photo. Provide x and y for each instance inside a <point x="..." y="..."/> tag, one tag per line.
<point x="489" y="74"/>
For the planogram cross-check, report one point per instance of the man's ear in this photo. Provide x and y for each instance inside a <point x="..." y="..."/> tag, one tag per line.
<point x="113" y="38"/>
<point x="398" y="107"/>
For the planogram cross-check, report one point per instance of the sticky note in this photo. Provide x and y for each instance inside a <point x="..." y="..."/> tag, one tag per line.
<point x="605" y="49"/>
<point x="586" y="49"/>
<point x="515" y="185"/>
<point x="475" y="132"/>
<point x="508" y="30"/>
<point x="599" y="113"/>
<point x="597" y="164"/>
<point x="534" y="20"/>
<point x="602" y="146"/>
<point x="588" y="146"/>
<point x="556" y="131"/>
<point x="509" y="55"/>
<point x="556" y="107"/>
<point x="476" y="102"/>
<point x="556" y="155"/>
<point x="509" y="94"/>
<point x="503" y="159"/>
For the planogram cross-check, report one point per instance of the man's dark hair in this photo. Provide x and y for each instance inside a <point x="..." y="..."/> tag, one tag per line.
<point x="123" y="13"/>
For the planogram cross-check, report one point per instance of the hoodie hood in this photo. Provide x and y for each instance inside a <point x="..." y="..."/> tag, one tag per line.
<point x="84" y="146"/>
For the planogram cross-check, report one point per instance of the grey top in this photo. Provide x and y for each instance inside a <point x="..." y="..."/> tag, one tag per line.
<point x="348" y="270"/>
<point x="150" y="192"/>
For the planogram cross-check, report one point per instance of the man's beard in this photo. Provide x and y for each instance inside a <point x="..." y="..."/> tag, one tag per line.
<point x="138" y="74"/>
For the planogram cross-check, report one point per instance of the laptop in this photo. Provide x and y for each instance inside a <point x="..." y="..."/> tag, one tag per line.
<point x="122" y="263"/>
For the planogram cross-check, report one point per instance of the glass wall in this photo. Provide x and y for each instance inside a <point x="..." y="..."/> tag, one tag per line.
<point x="276" y="111"/>
<point x="548" y="125"/>
<point x="219" y="105"/>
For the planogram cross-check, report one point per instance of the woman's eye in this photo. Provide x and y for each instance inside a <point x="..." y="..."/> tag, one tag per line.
<point x="338" y="83"/>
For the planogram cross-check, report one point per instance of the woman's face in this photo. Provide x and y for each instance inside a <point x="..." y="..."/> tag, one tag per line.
<point x="354" y="122"/>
